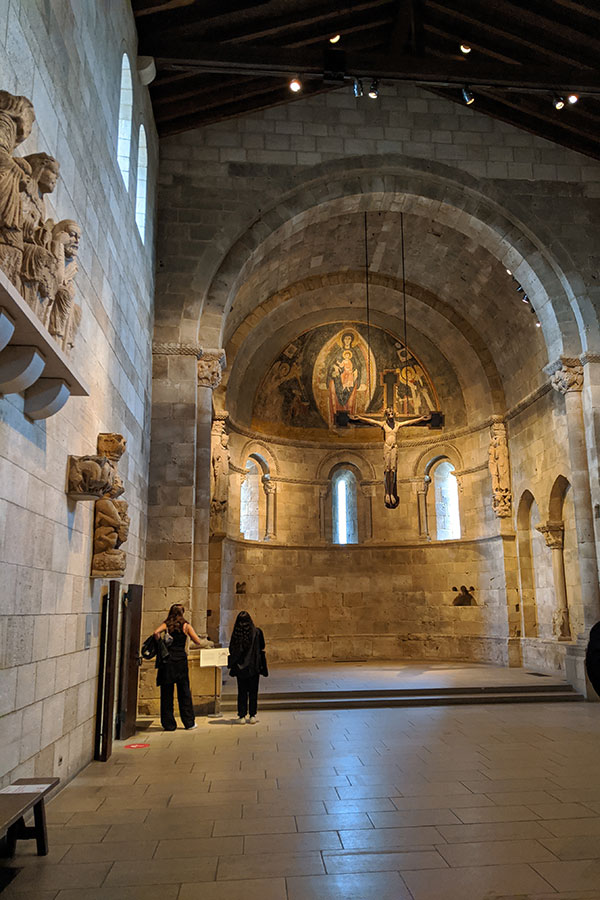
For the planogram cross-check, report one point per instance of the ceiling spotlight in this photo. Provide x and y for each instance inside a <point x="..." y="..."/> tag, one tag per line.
<point x="558" y="102"/>
<point x="538" y="324"/>
<point x="525" y="298"/>
<point x="334" y="39"/>
<point x="357" y="88"/>
<point x="508" y="272"/>
<point x="374" y="90"/>
<point x="468" y="97"/>
<point x="465" y="48"/>
<point x="573" y="98"/>
<point x="519" y="288"/>
<point x="295" y="85"/>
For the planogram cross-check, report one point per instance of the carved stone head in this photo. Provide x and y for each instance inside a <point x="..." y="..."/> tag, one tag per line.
<point x="20" y="110"/>
<point x="44" y="170"/>
<point x="68" y="233"/>
<point x="111" y="445"/>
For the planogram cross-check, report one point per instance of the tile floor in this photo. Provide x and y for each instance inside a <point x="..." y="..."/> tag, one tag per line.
<point x="456" y="803"/>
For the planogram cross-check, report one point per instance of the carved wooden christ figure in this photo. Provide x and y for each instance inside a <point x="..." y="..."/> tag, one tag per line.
<point x="390" y="450"/>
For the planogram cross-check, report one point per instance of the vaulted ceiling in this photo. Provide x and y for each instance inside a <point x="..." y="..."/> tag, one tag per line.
<point x="217" y="59"/>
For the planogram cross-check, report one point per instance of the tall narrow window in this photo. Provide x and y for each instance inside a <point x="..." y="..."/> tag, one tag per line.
<point x="249" y="500"/>
<point x="344" y="513"/>
<point x="447" y="513"/>
<point x="141" y="184"/>
<point x="125" y="119"/>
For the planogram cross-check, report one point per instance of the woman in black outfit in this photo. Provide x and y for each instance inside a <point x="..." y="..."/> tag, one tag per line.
<point x="174" y="670"/>
<point x="247" y="662"/>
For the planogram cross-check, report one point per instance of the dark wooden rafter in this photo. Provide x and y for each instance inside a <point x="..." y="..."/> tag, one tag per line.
<point x="229" y="58"/>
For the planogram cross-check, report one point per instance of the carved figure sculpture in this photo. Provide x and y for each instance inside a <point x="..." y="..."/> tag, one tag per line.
<point x="90" y="477"/>
<point x="40" y="266"/>
<point x="65" y="247"/>
<point x="111" y="528"/>
<point x="464" y="597"/>
<point x="16" y="120"/>
<point x="499" y="469"/>
<point x="220" y="470"/>
<point x="390" y="450"/>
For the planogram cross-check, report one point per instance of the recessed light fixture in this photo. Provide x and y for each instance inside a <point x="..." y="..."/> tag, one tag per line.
<point x="295" y="85"/>
<point x="468" y="96"/>
<point x="573" y="98"/>
<point x="558" y="102"/>
<point x="374" y="90"/>
<point x="465" y="48"/>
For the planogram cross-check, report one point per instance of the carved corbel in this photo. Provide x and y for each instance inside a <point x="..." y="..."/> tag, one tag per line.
<point x="210" y="368"/>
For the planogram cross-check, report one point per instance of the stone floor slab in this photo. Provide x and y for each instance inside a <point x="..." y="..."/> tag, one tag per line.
<point x="371" y="886"/>
<point x="474" y="883"/>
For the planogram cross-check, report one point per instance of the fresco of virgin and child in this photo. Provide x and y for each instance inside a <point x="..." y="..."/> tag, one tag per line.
<point x="330" y="370"/>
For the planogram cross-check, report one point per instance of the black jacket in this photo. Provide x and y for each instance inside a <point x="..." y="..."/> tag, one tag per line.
<point x="252" y="661"/>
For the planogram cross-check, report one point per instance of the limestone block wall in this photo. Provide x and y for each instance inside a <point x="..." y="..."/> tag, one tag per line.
<point x="362" y="602"/>
<point x="66" y="57"/>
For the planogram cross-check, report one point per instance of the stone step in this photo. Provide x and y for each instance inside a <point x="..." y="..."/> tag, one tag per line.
<point x="557" y="693"/>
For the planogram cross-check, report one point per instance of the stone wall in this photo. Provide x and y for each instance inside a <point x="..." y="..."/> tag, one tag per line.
<point x="66" y="57"/>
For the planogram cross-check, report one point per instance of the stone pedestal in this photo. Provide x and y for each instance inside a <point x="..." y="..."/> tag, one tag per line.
<point x="205" y="683"/>
<point x="575" y="672"/>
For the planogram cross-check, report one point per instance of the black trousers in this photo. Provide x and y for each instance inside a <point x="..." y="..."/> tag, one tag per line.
<point x="184" y="699"/>
<point x="247" y="695"/>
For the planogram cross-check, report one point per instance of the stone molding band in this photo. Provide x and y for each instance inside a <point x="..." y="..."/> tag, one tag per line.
<point x="172" y="348"/>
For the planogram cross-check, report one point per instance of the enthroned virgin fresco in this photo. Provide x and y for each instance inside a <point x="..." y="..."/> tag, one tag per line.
<point x="330" y="370"/>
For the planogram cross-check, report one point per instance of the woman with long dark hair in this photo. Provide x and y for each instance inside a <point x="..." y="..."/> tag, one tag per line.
<point x="247" y="662"/>
<point x="174" y="669"/>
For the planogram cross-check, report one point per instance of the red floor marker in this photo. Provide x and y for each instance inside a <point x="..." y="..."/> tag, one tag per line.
<point x="136" y="746"/>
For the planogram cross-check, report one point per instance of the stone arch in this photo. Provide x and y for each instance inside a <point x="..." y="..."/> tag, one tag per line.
<point x="337" y="458"/>
<point x="550" y="279"/>
<point x="556" y="501"/>
<point x="529" y="615"/>
<point x="432" y="455"/>
<point x="260" y="449"/>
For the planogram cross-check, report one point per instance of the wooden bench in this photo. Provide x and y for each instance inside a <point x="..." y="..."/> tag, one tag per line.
<point x="18" y="799"/>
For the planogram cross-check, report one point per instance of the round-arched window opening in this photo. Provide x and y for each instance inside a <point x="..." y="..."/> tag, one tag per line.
<point x="125" y="120"/>
<point x="249" y="502"/>
<point x="447" y="511"/>
<point x="344" y="510"/>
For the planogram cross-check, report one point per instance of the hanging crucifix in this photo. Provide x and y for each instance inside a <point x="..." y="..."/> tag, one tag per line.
<point x="390" y="428"/>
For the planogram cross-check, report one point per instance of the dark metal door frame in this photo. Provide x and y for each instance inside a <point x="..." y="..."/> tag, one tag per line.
<point x="129" y="662"/>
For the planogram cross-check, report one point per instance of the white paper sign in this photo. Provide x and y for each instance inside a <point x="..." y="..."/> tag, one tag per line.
<point x="216" y="657"/>
<point x="24" y="788"/>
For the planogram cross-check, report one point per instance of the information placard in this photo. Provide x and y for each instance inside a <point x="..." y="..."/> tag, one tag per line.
<point x="214" y="657"/>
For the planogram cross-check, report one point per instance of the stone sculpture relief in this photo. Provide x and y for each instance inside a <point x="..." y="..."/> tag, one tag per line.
<point x="92" y="477"/>
<point x="464" y="597"/>
<point x="499" y="469"/>
<point x="38" y="255"/>
<point x="219" y="471"/>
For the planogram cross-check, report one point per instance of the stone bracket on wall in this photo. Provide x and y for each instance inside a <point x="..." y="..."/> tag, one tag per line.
<point x="31" y="361"/>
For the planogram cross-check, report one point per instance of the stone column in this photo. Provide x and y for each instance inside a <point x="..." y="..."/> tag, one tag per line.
<point x="567" y="379"/>
<point x="422" y="508"/>
<point x="270" y="489"/>
<point x="209" y="371"/>
<point x="554" y="536"/>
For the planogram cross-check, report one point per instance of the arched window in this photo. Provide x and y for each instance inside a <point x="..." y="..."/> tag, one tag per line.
<point x="125" y="119"/>
<point x="447" y="513"/>
<point x="141" y="183"/>
<point x="249" y="502"/>
<point x="344" y="512"/>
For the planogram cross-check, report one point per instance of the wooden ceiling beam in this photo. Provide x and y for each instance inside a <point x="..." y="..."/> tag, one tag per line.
<point x="275" y="62"/>
<point x="242" y="91"/>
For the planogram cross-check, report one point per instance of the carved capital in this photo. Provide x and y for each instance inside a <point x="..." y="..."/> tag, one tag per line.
<point x="567" y="375"/>
<point x="269" y="487"/>
<point x="172" y="348"/>
<point x="553" y="534"/>
<point x="210" y="368"/>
